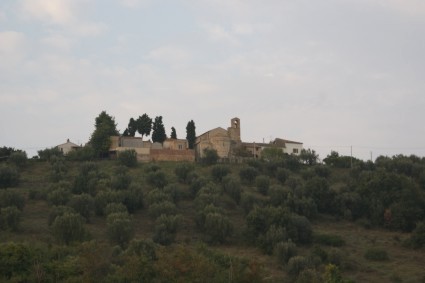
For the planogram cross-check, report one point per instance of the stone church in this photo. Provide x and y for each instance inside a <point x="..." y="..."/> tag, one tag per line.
<point x="228" y="143"/>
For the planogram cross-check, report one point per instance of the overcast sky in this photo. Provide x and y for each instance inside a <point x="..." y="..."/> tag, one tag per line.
<point x="329" y="73"/>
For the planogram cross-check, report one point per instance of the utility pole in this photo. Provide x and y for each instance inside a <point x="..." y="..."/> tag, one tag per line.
<point x="351" y="157"/>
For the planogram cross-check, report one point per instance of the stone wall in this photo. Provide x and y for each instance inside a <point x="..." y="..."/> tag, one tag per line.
<point x="172" y="155"/>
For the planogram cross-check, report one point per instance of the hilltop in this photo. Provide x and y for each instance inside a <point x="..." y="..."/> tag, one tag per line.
<point x="258" y="221"/>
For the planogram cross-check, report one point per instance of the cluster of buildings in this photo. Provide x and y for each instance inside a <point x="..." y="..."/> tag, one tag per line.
<point x="227" y="143"/>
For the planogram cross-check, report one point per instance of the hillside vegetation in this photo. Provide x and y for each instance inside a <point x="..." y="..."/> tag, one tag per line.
<point x="277" y="220"/>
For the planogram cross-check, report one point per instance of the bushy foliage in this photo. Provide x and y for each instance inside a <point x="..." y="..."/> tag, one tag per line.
<point x="248" y="174"/>
<point x="210" y="156"/>
<point x="115" y="208"/>
<point x="133" y="198"/>
<point x="15" y="261"/>
<point x="58" y="168"/>
<point x="9" y="176"/>
<point x="262" y="183"/>
<point x="83" y="204"/>
<point x="86" y="153"/>
<point x="11" y="197"/>
<point x="282" y="175"/>
<point x="233" y="188"/>
<point x="68" y="228"/>
<point x="308" y="156"/>
<point x="217" y="228"/>
<point x="275" y="234"/>
<point x="58" y="211"/>
<point x="103" y="198"/>
<point x="219" y="171"/>
<point x="87" y="179"/>
<point x="163" y="207"/>
<point x="183" y="171"/>
<point x="284" y="251"/>
<point x="157" y="179"/>
<point x="318" y="189"/>
<point x="120" y="228"/>
<point x="48" y="153"/>
<point x="59" y="196"/>
<point x="9" y="218"/>
<point x="417" y="238"/>
<point x="18" y="158"/>
<point x="166" y="229"/>
<point x="120" y="179"/>
<point x="128" y="158"/>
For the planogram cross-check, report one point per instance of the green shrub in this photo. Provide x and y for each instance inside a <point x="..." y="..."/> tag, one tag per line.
<point x="87" y="179"/>
<point x="210" y="156"/>
<point x="376" y="254"/>
<point x="115" y="208"/>
<point x="173" y="191"/>
<point x="166" y="229"/>
<point x="120" y="229"/>
<point x="48" y="153"/>
<point x="219" y="171"/>
<point x="128" y="158"/>
<point x="209" y="194"/>
<point x="133" y="198"/>
<point x="183" y="170"/>
<point x="282" y="175"/>
<point x="59" y="196"/>
<point x="262" y="183"/>
<point x="164" y="207"/>
<point x="156" y="196"/>
<point x="11" y="197"/>
<point x="248" y="174"/>
<point x="248" y="201"/>
<point x="120" y="179"/>
<point x="157" y="179"/>
<point x="279" y="195"/>
<point x="275" y="234"/>
<point x="9" y="218"/>
<point x="85" y="153"/>
<point x="103" y="198"/>
<point x="217" y="228"/>
<point x="232" y="187"/>
<point x="329" y="240"/>
<point x="83" y="204"/>
<point x="9" y="176"/>
<point x="18" y="158"/>
<point x="196" y="184"/>
<point x="69" y="228"/>
<point x="58" y="211"/>
<point x="322" y="171"/>
<point x="417" y="238"/>
<point x="16" y="260"/>
<point x="284" y="251"/>
<point x="58" y="168"/>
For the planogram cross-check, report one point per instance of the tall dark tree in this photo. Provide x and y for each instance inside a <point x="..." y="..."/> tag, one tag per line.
<point x="105" y="127"/>
<point x="191" y="134"/>
<point x="173" y="133"/>
<point x="158" y="130"/>
<point x="144" y="125"/>
<point x="132" y="127"/>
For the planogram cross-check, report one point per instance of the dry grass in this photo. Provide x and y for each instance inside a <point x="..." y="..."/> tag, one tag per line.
<point x="403" y="264"/>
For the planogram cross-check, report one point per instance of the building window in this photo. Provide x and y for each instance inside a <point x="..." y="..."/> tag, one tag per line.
<point x="295" y="150"/>
<point x="180" y="146"/>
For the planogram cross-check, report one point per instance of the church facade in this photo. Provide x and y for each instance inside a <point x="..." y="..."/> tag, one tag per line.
<point x="228" y="143"/>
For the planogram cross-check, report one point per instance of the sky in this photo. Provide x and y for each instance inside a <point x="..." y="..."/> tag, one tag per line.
<point x="343" y="75"/>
